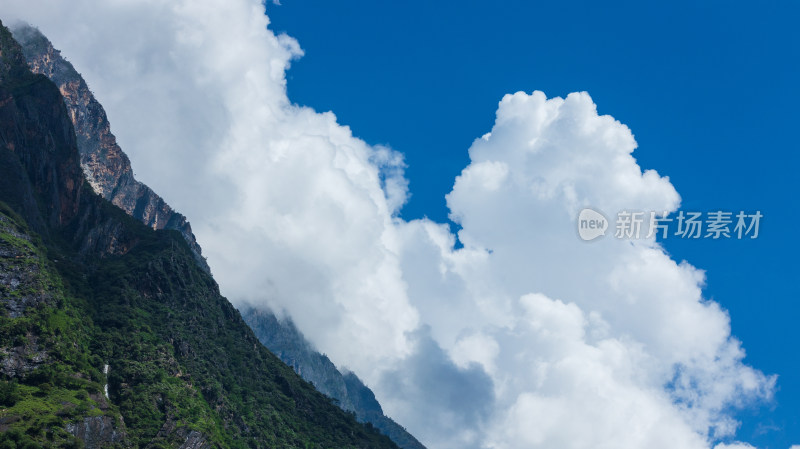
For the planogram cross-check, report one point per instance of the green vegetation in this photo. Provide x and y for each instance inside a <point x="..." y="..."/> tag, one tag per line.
<point x="174" y="342"/>
<point x="180" y="356"/>
<point x="83" y="285"/>
<point x="56" y="379"/>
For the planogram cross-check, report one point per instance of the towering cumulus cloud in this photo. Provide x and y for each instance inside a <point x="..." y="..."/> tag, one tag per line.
<point x="524" y="337"/>
<point x="601" y="344"/>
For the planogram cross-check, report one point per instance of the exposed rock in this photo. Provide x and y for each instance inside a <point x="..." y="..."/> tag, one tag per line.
<point x="97" y="431"/>
<point x="174" y="434"/>
<point x="107" y="238"/>
<point x="106" y="166"/>
<point x="22" y="359"/>
<point x="195" y="440"/>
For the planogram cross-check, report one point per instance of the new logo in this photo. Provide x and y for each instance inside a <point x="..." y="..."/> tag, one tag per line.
<point x="591" y="224"/>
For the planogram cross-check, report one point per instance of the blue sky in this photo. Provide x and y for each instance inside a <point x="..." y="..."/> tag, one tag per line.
<point x="607" y="344"/>
<point x="709" y="90"/>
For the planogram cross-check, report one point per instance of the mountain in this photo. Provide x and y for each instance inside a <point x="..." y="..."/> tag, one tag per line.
<point x="285" y="340"/>
<point x="106" y="166"/>
<point x="109" y="172"/>
<point x="111" y="334"/>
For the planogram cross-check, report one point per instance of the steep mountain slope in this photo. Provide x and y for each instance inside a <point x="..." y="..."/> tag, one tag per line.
<point x="282" y="338"/>
<point x="52" y="379"/>
<point x="106" y="166"/>
<point x="95" y="303"/>
<point x="109" y="172"/>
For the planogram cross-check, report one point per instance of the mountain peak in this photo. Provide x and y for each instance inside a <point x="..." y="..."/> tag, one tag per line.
<point x="12" y="60"/>
<point x="107" y="168"/>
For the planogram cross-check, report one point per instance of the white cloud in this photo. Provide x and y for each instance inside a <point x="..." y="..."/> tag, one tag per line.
<point x="525" y="337"/>
<point x="588" y="334"/>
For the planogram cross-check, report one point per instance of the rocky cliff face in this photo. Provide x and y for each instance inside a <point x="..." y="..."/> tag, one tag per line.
<point x="108" y="171"/>
<point x="284" y="339"/>
<point x="83" y="286"/>
<point x="106" y="166"/>
<point x="42" y="340"/>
